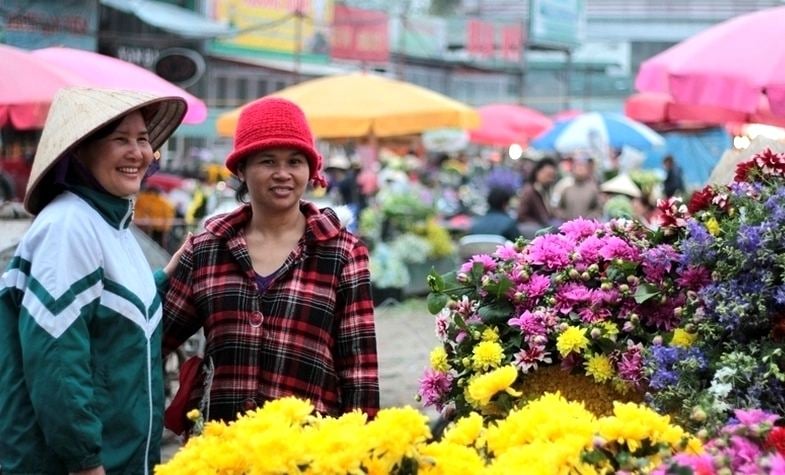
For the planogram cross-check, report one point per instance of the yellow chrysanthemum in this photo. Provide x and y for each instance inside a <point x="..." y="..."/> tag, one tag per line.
<point x="449" y="459"/>
<point x="634" y="424"/>
<point x="487" y="355"/>
<point x="713" y="226"/>
<point x="682" y="338"/>
<point x="193" y="414"/>
<point x="490" y="334"/>
<point x="439" y="361"/>
<point x="482" y="388"/>
<point x="599" y="367"/>
<point x="465" y="431"/>
<point x="610" y="329"/>
<point x="573" y="339"/>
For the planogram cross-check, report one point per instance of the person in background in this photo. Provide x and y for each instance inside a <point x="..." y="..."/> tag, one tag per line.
<point x="582" y="197"/>
<point x="80" y="311"/>
<point x="497" y="220"/>
<point x="534" y="209"/>
<point x="280" y="288"/>
<point x="674" y="183"/>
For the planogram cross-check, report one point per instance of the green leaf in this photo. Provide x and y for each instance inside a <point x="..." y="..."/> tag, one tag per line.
<point x="645" y="292"/>
<point x="498" y="312"/>
<point x="436" y="302"/>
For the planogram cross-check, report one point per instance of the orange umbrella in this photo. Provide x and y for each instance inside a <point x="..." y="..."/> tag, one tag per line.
<point x="364" y="105"/>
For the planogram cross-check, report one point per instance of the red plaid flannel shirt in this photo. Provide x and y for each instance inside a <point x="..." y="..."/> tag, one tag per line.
<point x="311" y="335"/>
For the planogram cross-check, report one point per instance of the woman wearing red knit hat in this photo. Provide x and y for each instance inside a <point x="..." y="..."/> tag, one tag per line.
<point x="281" y="289"/>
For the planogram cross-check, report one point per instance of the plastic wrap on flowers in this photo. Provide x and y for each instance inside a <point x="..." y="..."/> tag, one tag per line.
<point x="589" y="300"/>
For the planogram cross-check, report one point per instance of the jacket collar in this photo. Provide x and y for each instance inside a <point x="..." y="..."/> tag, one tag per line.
<point x="320" y="224"/>
<point x="116" y="211"/>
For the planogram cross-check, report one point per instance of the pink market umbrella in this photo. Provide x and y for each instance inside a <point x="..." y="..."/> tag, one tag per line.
<point x="729" y="65"/>
<point x="27" y="86"/>
<point x="506" y="124"/>
<point x="660" y="108"/>
<point x="104" y="71"/>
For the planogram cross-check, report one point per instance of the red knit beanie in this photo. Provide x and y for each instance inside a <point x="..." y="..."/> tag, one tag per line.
<point x="274" y="122"/>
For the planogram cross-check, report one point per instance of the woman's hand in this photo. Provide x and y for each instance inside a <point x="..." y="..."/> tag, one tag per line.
<point x="172" y="264"/>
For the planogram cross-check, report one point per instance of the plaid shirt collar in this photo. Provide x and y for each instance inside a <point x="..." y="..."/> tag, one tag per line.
<point x="321" y="225"/>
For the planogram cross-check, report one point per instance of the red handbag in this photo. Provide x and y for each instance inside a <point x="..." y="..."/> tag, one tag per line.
<point x="175" y="418"/>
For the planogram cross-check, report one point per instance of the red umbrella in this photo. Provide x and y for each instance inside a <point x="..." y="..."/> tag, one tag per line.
<point x="27" y="86"/>
<point x="105" y="71"/>
<point x="729" y="65"/>
<point x="660" y="108"/>
<point x="506" y="124"/>
<point x="164" y="181"/>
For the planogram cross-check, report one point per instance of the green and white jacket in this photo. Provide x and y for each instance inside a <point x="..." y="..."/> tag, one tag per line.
<point x="80" y="343"/>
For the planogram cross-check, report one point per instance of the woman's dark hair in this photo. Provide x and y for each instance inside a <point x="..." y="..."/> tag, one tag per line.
<point x="539" y="166"/>
<point x="498" y="199"/>
<point x="241" y="193"/>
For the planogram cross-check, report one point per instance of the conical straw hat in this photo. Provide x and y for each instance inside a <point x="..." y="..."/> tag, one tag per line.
<point x="77" y="112"/>
<point x="621" y="184"/>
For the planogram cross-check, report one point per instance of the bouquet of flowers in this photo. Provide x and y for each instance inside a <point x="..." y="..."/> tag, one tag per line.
<point x="590" y="299"/>
<point x="749" y="444"/>
<point x="549" y="435"/>
<point x="732" y="267"/>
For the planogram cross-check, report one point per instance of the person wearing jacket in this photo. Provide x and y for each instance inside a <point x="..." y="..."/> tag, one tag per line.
<point x="280" y="288"/>
<point x="80" y="312"/>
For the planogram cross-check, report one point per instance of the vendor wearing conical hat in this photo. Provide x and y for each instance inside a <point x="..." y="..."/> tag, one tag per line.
<point x="80" y="332"/>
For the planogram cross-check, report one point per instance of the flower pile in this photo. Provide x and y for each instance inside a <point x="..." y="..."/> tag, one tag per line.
<point x="733" y="267"/>
<point x="591" y="298"/>
<point x="549" y="435"/>
<point x="749" y="444"/>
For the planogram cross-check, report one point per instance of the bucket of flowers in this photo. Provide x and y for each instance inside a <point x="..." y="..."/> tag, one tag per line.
<point x="733" y="268"/>
<point x="574" y="311"/>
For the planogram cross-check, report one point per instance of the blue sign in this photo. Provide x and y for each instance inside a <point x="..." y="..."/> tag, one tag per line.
<point x="556" y="23"/>
<point x="33" y="25"/>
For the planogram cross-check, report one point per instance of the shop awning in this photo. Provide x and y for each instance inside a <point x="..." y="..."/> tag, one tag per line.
<point x="174" y="19"/>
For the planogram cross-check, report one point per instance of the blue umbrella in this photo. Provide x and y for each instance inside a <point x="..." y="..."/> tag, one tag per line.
<point x="595" y="130"/>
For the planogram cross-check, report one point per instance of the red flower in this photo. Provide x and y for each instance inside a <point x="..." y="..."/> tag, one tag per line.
<point x="776" y="440"/>
<point x="743" y="170"/>
<point x="700" y="199"/>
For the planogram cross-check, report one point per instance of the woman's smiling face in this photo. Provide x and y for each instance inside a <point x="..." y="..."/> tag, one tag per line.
<point x="119" y="160"/>
<point x="276" y="177"/>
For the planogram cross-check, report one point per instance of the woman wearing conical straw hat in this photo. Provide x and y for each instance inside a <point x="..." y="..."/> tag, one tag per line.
<point x="80" y="313"/>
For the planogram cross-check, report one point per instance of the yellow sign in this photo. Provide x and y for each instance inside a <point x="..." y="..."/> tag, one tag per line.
<point x="278" y="25"/>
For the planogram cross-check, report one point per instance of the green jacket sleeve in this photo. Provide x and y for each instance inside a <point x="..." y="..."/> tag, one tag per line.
<point x="63" y="291"/>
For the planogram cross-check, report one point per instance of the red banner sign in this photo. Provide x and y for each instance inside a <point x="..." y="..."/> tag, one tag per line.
<point x="512" y="43"/>
<point x="360" y="34"/>
<point x="480" y="42"/>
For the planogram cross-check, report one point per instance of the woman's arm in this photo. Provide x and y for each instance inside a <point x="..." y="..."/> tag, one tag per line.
<point x="356" y="355"/>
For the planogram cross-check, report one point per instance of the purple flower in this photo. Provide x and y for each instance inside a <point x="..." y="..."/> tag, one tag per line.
<point x="617" y="248"/>
<point x="529" y="323"/>
<point x="507" y="252"/>
<point x="589" y="250"/>
<point x="744" y="455"/>
<point x="488" y="264"/>
<point x="529" y="358"/>
<point x="751" y="417"/>
<point x="630" y="366"/>
<point x="749" y="238"/>
<point x="537" y="286"/>
<point x="550" y="250"/>
<point x="696" y="248"/>
<point x="658" y="261"/>
<point x="434" y="387"/>
<point x="693" y="277"/>
<point x="580" y="228"/>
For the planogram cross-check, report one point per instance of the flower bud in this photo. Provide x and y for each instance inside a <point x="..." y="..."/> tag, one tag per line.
<point x="574" y="274"/>
<point x="462" y="277"/>
<point x="656" y="341"/>
<point x="632" y="279"/>
<point x="606" y="286"/>
<point x="563" y="326"/>
<point x="635" y="318"/>
<point x="689" y="328"/>
<point x="518" y="297"/>
<point x="698" y="414"/>
<point x="524" y="276"/>
<point x="594" y="268"/>
<point x="628" y="327"/>
<point x="466" y="362"/>
<point x="585" y="276"/>
<point x="595" y="333"/>
<point x="678" y="312"/>
<point x="624" y="288"/>
<point x="558" y="278"/>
